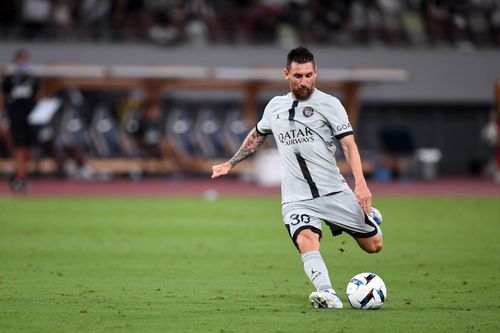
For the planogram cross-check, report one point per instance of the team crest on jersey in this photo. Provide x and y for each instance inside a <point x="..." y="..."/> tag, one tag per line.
<point x="308" y="111"/>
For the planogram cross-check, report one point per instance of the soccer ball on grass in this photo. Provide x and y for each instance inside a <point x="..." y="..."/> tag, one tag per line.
<point x="366" y="291"/>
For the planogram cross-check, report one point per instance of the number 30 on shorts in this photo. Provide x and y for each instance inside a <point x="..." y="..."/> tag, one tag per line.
<point x="299" y="218"/>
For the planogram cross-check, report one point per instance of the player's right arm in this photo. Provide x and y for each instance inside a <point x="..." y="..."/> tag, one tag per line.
<point x="250" y="145"/>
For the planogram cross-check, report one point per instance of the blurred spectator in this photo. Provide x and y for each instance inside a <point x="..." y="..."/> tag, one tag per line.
<point x="168" y="27"/>
<point x="61" y="18"/>
<point x="262" y="24"/>
<point x="288" y="35"/>
<point x="367" y="22"/>
<point x="414" y="24"/>
<point x="94" y="18"/>
<point x="197" y="30"/>
<point x="478" y="24"/>
<point x="36" y="16"/>
<point x="20" y="91"/>
<point x="202" y="20"/>
<point x="227" y="23"/>
<point x="439" y="22"/>
<point x="9" y="24"/>
<point x="469" y="23"/>
<point x="52" y="145"/>
<point x="127" y="19"/>
<point x="392" y="15"/>
<point x="459" y="11"/>
<point x="494" y="19"/>
<point x="64" y="138"/>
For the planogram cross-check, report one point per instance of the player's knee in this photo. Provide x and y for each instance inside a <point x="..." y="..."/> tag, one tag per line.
<point x="375" y="246"/>
<point x="307" y="240"/>
<point x="371" y="245"/>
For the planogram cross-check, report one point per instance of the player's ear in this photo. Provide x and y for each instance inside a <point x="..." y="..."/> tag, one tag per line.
<point x="286" y="73"/>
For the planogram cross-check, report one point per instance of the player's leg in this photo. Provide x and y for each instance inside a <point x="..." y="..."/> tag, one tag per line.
<point x="344" y="214"/>
<point x="5" y="135"/>
<point x="305" y="231"/>
<point x="18" y="182"/>
<point x="23" y="139"/>
<point x="20" y="161"/>
<point x="308" y="243"/>
<point x="372" y="244"/>
<point x="307" y="240"/>
<point x="314" y="266"/>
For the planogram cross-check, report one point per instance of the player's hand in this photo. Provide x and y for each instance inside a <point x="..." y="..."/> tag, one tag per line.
<point x="364" y="197"/>
<point x="221" y="169"/>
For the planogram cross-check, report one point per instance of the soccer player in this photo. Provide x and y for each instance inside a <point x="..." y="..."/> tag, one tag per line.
<point x="305" y="123"/>
<point x="20" y="93"/>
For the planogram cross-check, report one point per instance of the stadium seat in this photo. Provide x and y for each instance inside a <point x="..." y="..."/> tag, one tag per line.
<point x="208" y="129"/>
<point x="105" y="133"/>
<point x="179" y="127"/>
<point x="74" y="131"/>
<point x="234" y="130"/>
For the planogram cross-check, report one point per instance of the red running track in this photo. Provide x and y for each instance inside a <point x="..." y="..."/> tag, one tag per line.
<point x="463" y="187"/>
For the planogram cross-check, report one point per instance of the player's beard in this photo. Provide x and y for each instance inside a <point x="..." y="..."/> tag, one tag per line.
<point x="303" y="93"/>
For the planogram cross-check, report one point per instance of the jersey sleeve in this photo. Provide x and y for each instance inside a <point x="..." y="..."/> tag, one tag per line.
<point x="264" y="124"/>
<point x="338" y="119"/>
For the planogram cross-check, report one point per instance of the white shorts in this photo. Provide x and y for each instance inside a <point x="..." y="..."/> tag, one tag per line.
<point x="340" y="211"/>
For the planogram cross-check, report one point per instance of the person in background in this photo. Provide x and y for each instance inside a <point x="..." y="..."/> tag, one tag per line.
<point x="20" y="90"/>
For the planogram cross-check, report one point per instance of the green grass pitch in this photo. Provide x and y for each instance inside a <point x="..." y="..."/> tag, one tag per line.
<point x="192" y="265"/>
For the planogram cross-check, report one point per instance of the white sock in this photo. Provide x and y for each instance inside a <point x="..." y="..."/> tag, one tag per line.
<point x="316" y="270"/>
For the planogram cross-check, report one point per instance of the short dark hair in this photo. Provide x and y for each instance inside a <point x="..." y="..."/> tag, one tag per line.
<point x="299" y="55"/>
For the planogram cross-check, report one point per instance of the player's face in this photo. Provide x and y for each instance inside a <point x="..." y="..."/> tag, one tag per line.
<point x="21" y="63"/>
<point x="302" y="79"/>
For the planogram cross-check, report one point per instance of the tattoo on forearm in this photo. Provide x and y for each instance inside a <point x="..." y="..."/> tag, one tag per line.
<point x="251" y="144"/>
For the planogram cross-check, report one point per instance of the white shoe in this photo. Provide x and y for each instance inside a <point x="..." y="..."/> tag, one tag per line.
<point x="375" y="215"/>
<point x="325" y="299"/>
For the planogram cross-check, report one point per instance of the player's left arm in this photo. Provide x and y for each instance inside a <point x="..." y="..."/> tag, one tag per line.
<point x="353" y="158"/>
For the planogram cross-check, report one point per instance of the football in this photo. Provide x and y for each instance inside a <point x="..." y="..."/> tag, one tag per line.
<point x="366" y="291"/>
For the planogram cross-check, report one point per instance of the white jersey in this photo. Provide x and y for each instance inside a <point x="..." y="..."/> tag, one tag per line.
<point x="305" y="132"/>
